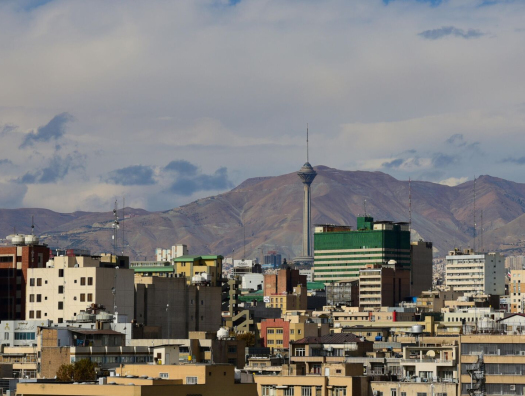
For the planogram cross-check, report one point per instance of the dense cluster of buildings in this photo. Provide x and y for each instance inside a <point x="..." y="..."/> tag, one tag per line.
<point x="361" y="312"/>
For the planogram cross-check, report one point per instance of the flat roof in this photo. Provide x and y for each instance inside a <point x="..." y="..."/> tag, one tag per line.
<point x="193" y="258"/>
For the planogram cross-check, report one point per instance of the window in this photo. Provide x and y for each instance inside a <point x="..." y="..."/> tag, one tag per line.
<point x="60" y="273"/>
<point x="279" y="331"/>
<point x="31" y="314"/>
<point x="393" y="392"/>
<point x="60" y="305"/>
<point x="90" y="297"/>
<point x="191" y="380"/>
<point x="280" y="342"/>
<point x="318" y="391"/>
<point x="60" y="289"/>
<point x="289" y="391"/>
<point x="339" y="391"/>
<point x="90" y="281"/>
<point x="39" y="298"/>
<point x="38" y="314"/>
<point x="306" y="391"/>
<point x="82" y="281"/>
<point x="31" y="281"/>
<point x="268" y="390"/>
<point x="202" y="302"/>
<point x="421" y="393"/>
<point x="292" y="331"/>
<point x="164" y="375"/>
<point x="299" y="331"/>
<point x="232" y="349"/>
<point x="6" y="335"/>
<point x="403" y="394"/>
<point x="32" y="298"/>
<point x="39" y="281"/>
<point x="232" y="361"/>
<point x="299" y="351"/>
<point x="269" y="331"/>
<point x="270" y="341"/>
<point x="82" y="297"/>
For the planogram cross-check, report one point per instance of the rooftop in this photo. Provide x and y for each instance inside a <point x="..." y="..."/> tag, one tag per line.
<point x="339" y="338"/>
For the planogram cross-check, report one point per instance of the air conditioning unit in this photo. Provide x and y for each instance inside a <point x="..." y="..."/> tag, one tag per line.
<point x="512" y="387"/>
<point x="522" y="353"/>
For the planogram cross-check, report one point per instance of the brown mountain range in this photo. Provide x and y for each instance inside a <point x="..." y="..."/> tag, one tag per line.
<point x="268" y="211"/>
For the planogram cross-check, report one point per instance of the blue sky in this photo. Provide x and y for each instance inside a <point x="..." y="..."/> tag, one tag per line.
<point x="166" y="102"/>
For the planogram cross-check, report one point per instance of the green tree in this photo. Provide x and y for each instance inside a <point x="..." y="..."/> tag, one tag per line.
<point x="65" y="373"/>
<point x="80" y="371"/>
<point x="249" y="338"/>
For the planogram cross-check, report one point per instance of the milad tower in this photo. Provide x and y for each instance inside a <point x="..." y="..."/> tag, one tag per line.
<point x="307" y="175"/>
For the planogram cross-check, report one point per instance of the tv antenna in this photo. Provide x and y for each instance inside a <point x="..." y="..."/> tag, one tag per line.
<point x="474" y="243"/>
<point x="307" y="142"/>
<point x="364" y="206"/>
<point x="115" y="226"/>
<point x="409" y="205"/>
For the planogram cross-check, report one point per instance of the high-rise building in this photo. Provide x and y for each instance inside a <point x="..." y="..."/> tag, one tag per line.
<point x="515" y="262"/>
<point x="382" y="286"/>
<point x="477" y="273"/>
<point x="15" y="261"/>
<point x="341" y="252"/>
<point x="170" y="254"/>
<point x="420" y="267"/>
<point x="70" y="284"/>
<point x="272" y="258"/>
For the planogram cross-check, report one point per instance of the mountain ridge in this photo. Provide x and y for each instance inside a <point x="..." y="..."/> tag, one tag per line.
<point x="269" y="210"/>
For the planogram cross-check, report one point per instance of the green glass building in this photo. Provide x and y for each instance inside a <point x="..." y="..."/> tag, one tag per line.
<point x="339" y="251"/>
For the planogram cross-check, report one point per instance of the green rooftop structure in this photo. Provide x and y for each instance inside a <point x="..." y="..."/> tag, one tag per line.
<point x="339" y="251"/>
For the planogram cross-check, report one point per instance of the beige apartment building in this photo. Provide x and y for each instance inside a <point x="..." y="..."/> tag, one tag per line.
<point x="153" y="380"/>
<point x="515" y="293"/>
<point x="68" y="285"/>
<point x="336" y="379"/>
<point x="382" y="286"/>
<point x="493" y="364"/>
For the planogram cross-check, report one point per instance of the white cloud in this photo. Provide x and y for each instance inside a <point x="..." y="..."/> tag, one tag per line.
<point x="151" y="82"/>
<point x="453" y="181"/>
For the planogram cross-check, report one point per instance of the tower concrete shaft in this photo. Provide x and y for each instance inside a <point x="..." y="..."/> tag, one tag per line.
<point x="307" y="175"/>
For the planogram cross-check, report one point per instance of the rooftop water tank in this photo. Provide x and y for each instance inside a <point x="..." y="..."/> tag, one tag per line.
<point x="104" y="317"/>
<point x="223" y="332"/>
<point x="84" y="317"/>
<point x="31" y="240"/>
<point x="17" y="239"/>
<point x="417" y="329"/>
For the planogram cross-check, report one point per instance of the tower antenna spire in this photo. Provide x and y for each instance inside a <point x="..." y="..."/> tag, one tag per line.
<point x="307" y="159"/>
<point x="409" y="205"/>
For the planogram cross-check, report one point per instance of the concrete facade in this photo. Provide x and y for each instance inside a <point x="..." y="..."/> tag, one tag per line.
<point x="15" y="261"/>
<point x="420" y="267"/>
<point x="478" y="273"/>
<point x="71" y="284"/>
<point x="381" y="286"/>
<point x="191" y="308"/>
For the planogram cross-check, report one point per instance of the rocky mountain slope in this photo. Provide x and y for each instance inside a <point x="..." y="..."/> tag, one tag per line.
<point x="269" y="212"/>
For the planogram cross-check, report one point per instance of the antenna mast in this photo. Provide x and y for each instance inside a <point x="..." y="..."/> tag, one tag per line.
<point x="409" y="206"/>
<point x="474" y="214"/>
<point x="115" y="228"/>
<point x="123" y="206"/>
<point x="364" y="205"/>
<point x="481" y="233"/>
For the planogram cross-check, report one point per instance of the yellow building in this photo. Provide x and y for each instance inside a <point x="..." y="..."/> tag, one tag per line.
<point x="296" y="301"/>
<point x="389" y="388"/>
<point x="336" y="380"/>
<point x="493" y="363"/>
<point x="208" y="268"/>
<point x="155" y="380"/>
<point x="515" y="294"/>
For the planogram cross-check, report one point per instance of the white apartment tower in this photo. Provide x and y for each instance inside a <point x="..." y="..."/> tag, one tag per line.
<point x="170" y="254"/>
<point x="70" y="284"/>
<point x="477" y="273"/>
